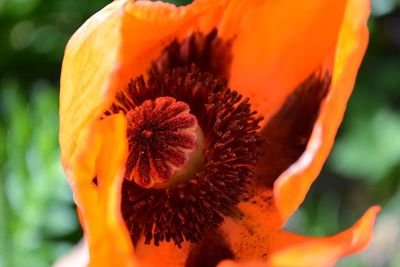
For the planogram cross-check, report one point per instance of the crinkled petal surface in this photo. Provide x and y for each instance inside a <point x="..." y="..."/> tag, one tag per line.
<point x="277" y="44"/>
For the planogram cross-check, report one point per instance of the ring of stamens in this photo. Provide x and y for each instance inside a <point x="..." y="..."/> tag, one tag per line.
<point x="198" y="204"/>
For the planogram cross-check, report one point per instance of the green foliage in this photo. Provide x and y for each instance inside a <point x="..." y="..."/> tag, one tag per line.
<point x="37" y="217"/>
<point x="371" y="147"/>
<point x="383" y="7"/>
<point x="36" y="203"/>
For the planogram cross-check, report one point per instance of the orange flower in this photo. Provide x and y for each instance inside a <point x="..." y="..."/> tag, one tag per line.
<point x="150" y="64"/>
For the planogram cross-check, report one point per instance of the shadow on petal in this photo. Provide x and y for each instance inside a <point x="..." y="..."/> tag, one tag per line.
<point x="287" y="132"/>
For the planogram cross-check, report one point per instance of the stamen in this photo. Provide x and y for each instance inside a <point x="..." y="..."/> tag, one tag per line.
<point x="181" y="182"/>
<point x="196" y="205"/>
<point x="161" y="135"/>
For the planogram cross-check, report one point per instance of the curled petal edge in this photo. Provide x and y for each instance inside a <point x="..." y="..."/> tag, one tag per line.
<point x="292" y="185"/>
<point x="319" y="251"/>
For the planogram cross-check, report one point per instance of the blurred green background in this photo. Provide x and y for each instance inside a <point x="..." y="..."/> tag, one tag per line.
<point x="37" y="215"/>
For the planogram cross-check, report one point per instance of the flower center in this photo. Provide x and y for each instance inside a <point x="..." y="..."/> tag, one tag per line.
<point x="193" y="144"/>
<point x="162" y="135"/>
<point x="192" y="151"/>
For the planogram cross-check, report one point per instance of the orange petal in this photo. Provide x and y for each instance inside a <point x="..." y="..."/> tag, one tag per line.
<point x="326" y="251"/>
<point x="166" y="253"/>
<point x="292" y="185"/>
<point x="278" y="44"/>
<point x="89" y="59"/>
<point x="89" y="147"/>
<point x="99" y="206"/>
<point x="294" y="250"/>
